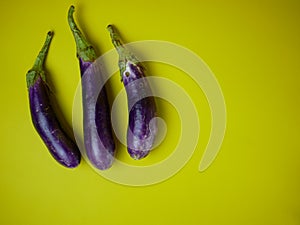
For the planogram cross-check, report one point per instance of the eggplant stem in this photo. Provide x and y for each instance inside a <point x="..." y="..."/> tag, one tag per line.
<point x="40" y="59"/>
<point x="115" y="38"/>
<point x="84" y="49"/>
<point x="124" y="54"/>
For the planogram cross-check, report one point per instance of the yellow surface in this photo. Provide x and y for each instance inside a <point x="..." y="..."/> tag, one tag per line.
<point x="253" y="49"/>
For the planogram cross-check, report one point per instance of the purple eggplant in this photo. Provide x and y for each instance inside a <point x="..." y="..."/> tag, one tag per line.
<point x="98" y="137"/>
<point x="142" y="129"/>
<point x="44" y="119"/>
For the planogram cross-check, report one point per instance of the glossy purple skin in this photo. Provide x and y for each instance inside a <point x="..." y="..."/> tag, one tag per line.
<point x="140" y="135"/>
<point x="59" y="144"/>
<point x="98" y="137"/>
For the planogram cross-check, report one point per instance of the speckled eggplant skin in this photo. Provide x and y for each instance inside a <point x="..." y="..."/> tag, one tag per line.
<point x="60" y="145"/>
<point x="142" y="128"/>
<point x="140" y="133"/>
<point x="97" y="131"/>
<point x="43" y="116"/>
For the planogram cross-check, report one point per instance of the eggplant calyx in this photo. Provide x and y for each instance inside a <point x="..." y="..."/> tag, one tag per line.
<point x="38" y="67"/>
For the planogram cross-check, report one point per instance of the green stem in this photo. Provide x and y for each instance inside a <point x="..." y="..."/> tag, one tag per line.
<point x="38" y="67"/>
<point x="124" y="54"/>
<point x="116" y="40"/>
<point x="84" y="49"/>
<point x="40" y="59"/>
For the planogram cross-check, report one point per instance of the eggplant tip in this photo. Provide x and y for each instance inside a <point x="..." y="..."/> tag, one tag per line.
<point x="109" y="26"/>
<point x="138" y="155"/>
<point x="71" y="10"/>
<point x="50" y="33"/>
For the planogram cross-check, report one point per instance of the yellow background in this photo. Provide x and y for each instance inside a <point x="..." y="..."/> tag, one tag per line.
<point x="253" y="49"/>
